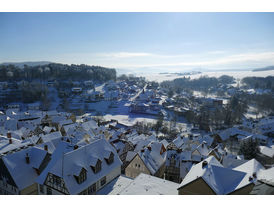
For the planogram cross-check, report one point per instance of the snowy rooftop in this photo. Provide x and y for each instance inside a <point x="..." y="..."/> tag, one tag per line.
<point x="75" y="160"/>
<point x="267" y="151"/>
<point x="152" y="158"/>
<point x="116" y="186"/>
<point x="149" y="185"/>
<point x="6" y="146"/>
<point x="266" y="176"/>
<point x="233" y="131"/>
<point x="250" y="167"/>
<point x="221" y="180"/>
<point x="22" y="173"/>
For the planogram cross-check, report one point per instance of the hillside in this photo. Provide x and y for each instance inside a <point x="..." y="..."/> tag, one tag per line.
<point x="54" y="71"/>
<point x="31" y="64"/>
<point x="263" y="69"/>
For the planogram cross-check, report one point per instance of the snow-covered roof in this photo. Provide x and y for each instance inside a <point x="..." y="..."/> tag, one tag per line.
<point x="221" y="180"/>
<point x="231" y="162"/>
<point x="22" y="173"/>
<point x="65" y="122"/>
<point x="225" y="134"/>
<point x="51" y="136"/>
<point x="179" y="141"/>
<point x="250" y="167"/>
<point x="152" y="159"/>
<point x="91" y="124"/>
<point x="202" y="149"/>
<point x="116" y="186"/>
<point x="266" y="176"/>
<point x="5" y="145"/>
<point x="82" y="157"/>
<point x="267" y="151"/>
<point x="145" y="184"/>
<point x="165" y="143"/>
<point x="47" y="129"/>
<point x="130" y="155"/>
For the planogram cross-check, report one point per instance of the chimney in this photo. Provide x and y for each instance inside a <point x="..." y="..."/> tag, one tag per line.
<point x="75" y="147"/>
<point x="254" y="175"/>
<point x="27" y="158"/>
<point x="10" y="141"/>
<point x="149" y="148"/>
<point x="46" y="147"/>
<point x="9" y="135"/>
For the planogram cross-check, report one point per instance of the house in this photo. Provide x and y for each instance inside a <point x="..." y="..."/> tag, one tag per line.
<point x="49" y="137"/>
<point x="209" y="177"/>
<point x="178" y="164"/>
<point x="122" y="147"/>
<point x="266" y="156"/>
<point x="265" y="183"/>
<point x="150" y="160"/>
<point x="172" y="168"/>
<point x="201" y="152"/>
<point x="34" y="106"/>
<point x="19" y="170"/>
<point x="231" y="161"/>
<point x="251" y="167"/>
<point x="84" y="170"/>
<point x="146" y="184"/>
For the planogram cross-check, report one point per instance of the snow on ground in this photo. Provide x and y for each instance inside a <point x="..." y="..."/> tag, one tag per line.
<point x="236" y="74"/>
<point x="251" y="113"/>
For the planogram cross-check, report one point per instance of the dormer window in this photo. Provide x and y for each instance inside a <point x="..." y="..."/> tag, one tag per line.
<point x="97" y="168"/>
<point x="82" y="176"/>
<point x="110" y="159"/>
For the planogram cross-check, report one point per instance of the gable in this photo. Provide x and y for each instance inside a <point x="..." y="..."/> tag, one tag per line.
<point x="4" y="174"/>
<point x="196" y="187"/>
<point x="137" y="160"/>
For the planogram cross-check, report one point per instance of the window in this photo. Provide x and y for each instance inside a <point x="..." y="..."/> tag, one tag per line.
<point x="97" y="167"/>
<point x="49" y="191"/>
<point x="110" y="159"/>
<point x="92" y="189"/>
<point x="82" y="177"/>
<point x="103" y="180"/>
<point x="41" y="188"/>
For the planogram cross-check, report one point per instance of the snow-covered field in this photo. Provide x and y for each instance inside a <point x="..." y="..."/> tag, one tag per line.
<point x="236" y="74"/>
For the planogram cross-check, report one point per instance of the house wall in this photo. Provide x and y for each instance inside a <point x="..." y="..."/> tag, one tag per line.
<point x="197" y="187"/>
<point x="7" y="189"/>
<point x="243" y="191"/>
<point x="133" y="171"/>
<point x="30" y="190"/>
<point x="113" y="174"/>
<point x="161" y="171"/>
<point x="172" y="173"/>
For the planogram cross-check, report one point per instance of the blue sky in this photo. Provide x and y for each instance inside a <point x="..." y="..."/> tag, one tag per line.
<point x="140" y="41"/>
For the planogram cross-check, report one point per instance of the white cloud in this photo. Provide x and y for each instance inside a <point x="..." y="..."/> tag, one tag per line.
<point x="124" y="54"/>
<point x="244" y="60"/>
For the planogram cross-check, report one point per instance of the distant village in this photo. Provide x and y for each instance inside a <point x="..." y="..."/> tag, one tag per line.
<point x="129" y="136"/>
